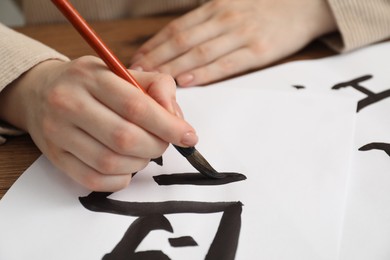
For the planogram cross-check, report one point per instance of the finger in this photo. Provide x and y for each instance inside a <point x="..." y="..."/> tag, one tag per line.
<point x="116" y="132"/>
<point x="90" y="178"/>
<point x="143" y="111"/>
<point x="96" y="155"/>
<point x="238" y="61"/>
<point x="203" y="54"/>
<point x="180" y="43"/>
<point x="186" y="21"/>
<point x="161" y="87"/>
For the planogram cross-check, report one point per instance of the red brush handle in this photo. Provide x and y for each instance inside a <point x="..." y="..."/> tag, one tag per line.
<point x="95" y="42"/>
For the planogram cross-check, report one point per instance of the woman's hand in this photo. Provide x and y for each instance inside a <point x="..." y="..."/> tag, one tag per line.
<point x="93" y="125"/>
<point x="225" y="37"/>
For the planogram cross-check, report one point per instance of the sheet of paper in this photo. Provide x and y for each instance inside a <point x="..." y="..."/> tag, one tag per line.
<point x="366" y="231"/>
<point x="293" y="147"/>
<point x="365" y="76"/>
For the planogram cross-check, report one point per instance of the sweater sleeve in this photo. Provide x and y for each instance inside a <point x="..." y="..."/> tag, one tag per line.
<point x="18" y="54"/>
<point x="359" y="22"/>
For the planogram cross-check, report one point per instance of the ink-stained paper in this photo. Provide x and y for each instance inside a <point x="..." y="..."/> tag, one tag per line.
<point x="312" y="139"/>
<point x="293" y="148"/>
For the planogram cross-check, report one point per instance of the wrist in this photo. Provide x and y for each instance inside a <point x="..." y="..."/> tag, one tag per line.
<point x="15" y="99"/>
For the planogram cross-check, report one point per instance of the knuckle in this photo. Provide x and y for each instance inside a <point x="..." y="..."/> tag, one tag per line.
<point x="147" y="64"/>
<point x="77" y="67"/>
<point x="247" y="30"/>
<point x="164" y="69"/>
<point x="174" y="27"/>
<point x="216" y="4"/>
<point x="204" y="74"/>
<point x="230" y="16"/>
<point x="227" y="65"/>
<point x="257" y="48"/>
<point x="203" y="52"/>
<point x="82" y="67"/>
<point x="93" y="181"/>
<point x="107" y="163"/>
<point x="181" y="42"/>
<point x="58" y="99"/>
<point x="122" y="140"/>
<point x="85" y="61"/>
<point x="165" y="79"/>
<point x="135" y="109"/>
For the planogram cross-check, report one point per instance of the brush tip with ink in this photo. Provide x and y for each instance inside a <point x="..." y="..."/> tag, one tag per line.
<point x="196" y="159"/>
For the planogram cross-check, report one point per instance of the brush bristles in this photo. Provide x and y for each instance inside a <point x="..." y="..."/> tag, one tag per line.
<point x="200" y="163"/>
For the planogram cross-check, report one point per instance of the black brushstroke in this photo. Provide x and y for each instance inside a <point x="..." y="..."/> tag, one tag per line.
<point x="371" y="96"/>
<point x="134" y="235"/>
<point x="223" y="246"/>
<point x="98" y="202"/>
<point x="376" y="146"/>
<point x="197" y="179"/>
<point x="299" y="87"/>
<point x="182" y="241"/>
<point x="158" y="160"/>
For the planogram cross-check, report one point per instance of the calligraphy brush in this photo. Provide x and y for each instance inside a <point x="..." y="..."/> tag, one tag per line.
<point x="113" y="63"/>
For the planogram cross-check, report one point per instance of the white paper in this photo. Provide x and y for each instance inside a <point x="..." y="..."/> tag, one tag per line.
<point x="298" y="148"/>
<point x="294" y="147"/>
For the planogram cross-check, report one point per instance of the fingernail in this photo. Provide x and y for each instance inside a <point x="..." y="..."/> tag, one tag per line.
<point x="185" y="79"/>
<point x="189" y="139"/>
<point x="137" y="68"/>
<point x="177" y="110"/>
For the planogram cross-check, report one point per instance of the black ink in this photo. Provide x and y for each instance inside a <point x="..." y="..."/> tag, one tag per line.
<point x="134" y="235"/>
<point x="227" y="235"/>
<point x="371" y="96"/>
<point x="299" y="87"/>
<point x="158" y="160"/>
<point x="197" y="179"/>
<point x="182" y="241"/>
<point x="98" y="202"/>
<point x="376" y="146"/>
<point x="225" y="242"/>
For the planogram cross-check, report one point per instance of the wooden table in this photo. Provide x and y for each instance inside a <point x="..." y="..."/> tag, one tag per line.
<point x="123" y="37"/>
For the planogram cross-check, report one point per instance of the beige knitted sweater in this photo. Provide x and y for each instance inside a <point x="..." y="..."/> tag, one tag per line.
<point x="360" y="23"/>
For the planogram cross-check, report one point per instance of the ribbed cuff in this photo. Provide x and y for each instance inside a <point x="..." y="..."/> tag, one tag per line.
<point x="359" y="22"/>
<point x="18" y="54"/>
